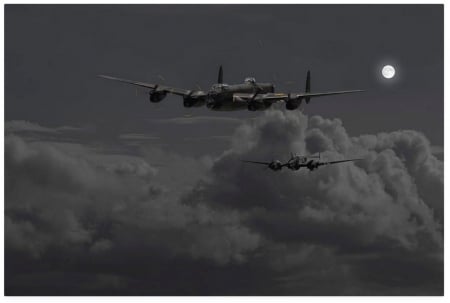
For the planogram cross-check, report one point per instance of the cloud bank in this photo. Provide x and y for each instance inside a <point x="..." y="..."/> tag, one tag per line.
<point x="79" y="220"/>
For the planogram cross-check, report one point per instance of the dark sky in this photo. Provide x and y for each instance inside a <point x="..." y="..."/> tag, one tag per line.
<point x="107" y="193"/>
<point x="54" y="52"/>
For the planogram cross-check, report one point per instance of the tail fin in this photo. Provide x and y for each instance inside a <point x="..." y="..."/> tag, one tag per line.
<point x="308" y="86"/>
<point x="220" y="78"/>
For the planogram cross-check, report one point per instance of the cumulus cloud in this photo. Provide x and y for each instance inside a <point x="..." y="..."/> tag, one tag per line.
<point x="390" y="201"/>
<point x="56" y="198"/>
<point x="219" y="226"/>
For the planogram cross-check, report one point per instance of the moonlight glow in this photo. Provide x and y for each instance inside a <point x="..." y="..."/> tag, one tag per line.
<point x="388" y="71"/>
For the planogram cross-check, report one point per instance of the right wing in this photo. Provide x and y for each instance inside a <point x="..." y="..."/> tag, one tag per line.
<point x="168" y="89"/>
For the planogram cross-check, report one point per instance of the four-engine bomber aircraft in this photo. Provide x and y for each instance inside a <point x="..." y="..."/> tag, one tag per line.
<point x="296" y="162"/>
<point x="223" y="97"/>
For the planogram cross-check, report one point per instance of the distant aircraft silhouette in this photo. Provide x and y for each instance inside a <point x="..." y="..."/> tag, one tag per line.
<point x="297" y="161"/>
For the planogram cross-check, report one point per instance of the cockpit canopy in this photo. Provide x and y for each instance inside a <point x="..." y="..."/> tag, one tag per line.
<point x="301" y="159"/>
<point x="250" y="80"/>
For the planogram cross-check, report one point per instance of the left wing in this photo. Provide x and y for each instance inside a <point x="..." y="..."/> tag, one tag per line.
<point x="275" y="97"/>
<point x="283" y="97"/>
<point x="307" y="95"/>
<point x="310" y="95"/>
<point x="256" y="162"/>
<point x="163" y="88"/>
<point x="272" y="97"/>
<point x="340" y="161"/>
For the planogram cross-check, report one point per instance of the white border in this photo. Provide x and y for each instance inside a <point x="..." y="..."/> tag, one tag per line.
<point x="226" y="299"/>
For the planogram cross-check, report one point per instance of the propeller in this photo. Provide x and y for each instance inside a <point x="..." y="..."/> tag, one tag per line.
<point x="142" y="91"/>
<point x="307" y="87"/>
<point x="155" y="105"/>
<point x="258" y="90"/>
<point x="250" y="103"/>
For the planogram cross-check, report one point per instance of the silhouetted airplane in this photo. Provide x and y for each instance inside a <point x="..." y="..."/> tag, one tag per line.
<point x="223" y="97"/>
<point x="297" y="161"/>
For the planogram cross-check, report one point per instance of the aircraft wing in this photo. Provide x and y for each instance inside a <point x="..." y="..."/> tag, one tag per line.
<point x="273" y="97"/>
<point x="256" y="162"/>
<point x="310" y="95"/>
<point x="340" y="161"/>
<point x="172" y="90"/>
<point x="277" y="97"/>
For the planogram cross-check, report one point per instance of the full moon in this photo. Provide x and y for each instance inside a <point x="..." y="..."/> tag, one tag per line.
<point x="388" y="71"/>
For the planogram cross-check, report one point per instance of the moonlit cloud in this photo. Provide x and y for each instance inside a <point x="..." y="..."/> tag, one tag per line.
<point x="324" y="232"/>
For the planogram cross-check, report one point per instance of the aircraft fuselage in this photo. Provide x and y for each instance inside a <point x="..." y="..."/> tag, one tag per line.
<point x="296" y="162"/>
<point x="222" y="96"/>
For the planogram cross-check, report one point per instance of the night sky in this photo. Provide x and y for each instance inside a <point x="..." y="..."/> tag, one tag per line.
<point x="109" y="194"/>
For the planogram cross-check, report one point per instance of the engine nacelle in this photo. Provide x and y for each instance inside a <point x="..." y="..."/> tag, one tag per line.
<point x="293" y="103"/>
<point x="193" y="102"/>
<point x="275" y="165"/>
<point x="313" y="165"/>
<point x="156" y="96"/>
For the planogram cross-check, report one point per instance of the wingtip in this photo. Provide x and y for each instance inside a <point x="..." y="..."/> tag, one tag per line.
<point x="108" y="77"/>
<point x="356" y="91"/>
